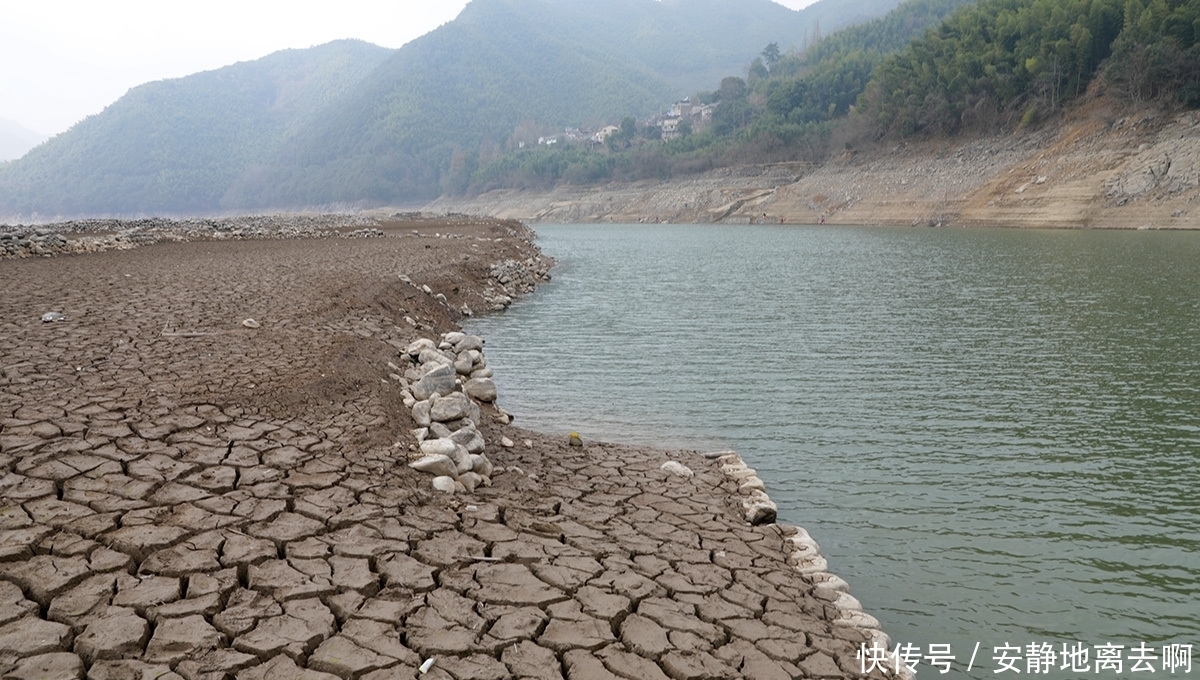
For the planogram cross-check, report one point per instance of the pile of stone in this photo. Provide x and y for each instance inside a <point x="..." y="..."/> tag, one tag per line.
<point x="445" y="386"/>
<point x="97" y="235"/>
<point x="757" y="507"/>
<point x="513" y="278"/>
<point x="365" y="233"/>
<point x="31" y="243"/>
<point x="804" y="554"/>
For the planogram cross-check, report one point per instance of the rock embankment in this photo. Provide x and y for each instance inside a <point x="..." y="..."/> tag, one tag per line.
<point x="443" y="389"/>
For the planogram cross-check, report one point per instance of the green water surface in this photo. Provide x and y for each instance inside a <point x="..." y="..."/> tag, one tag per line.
<point x="993" y="434"/>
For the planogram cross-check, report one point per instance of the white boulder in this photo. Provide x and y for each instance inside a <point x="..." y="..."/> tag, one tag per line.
<point x="436" y="465"/>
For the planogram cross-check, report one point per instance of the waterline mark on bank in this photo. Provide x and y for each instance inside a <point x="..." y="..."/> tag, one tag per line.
<point x="1034" y="658"/>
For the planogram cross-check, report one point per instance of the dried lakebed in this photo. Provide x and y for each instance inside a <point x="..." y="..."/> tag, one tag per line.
<point x="186" y="496"/>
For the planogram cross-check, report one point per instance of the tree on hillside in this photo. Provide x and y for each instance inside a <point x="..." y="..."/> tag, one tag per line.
<point x="1016" y="58"/>
<point x="731" y="88"/>
<point x="1158" y="52"/>
<point x="771" y="54"/>
<point x="814" y="37"/>
<point x="628" y="129"/>
<point x="757" y="70"/>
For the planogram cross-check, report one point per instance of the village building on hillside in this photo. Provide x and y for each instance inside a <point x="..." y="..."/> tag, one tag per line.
<point x="682" y="112"/>
<point x="604" y="133"/>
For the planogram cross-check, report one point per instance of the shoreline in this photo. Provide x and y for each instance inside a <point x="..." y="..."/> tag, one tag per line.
<point x="1101" y="168"/>
<point x="214" y="496"/>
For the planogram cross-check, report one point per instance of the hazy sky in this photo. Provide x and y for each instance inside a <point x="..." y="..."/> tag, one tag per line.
<point x="62" y="60"/>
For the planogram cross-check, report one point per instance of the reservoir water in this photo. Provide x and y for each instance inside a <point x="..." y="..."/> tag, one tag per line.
<point x="993" y="434"/>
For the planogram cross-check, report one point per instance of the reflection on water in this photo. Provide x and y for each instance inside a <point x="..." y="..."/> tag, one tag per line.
<point x="994" y="435"/>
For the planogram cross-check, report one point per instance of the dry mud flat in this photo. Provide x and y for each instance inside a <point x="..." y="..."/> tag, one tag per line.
<point x="183" y="496"/>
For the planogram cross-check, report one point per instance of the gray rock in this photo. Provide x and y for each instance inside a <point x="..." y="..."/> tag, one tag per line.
<point x="469" y="342"/>
<point x="470" y="480"/>
<point x="420" y="413"/>
<point x="433" y="356"/>
<point x="440" y="430"/>
<point x="469" y="438"/>
<point x="483" y="389"/>
<point x="481" y="465"/>
<point x="453" y="406"/>
<point x="475" y="415"/>
<point x="445" y="484"/>
<point x="462" y="458"/>
<point x="415" y="348"/>
<point x="464" y="363"/>
<point x="677" y="468"/>
<point x="440" y="381"/>
<point x="438" y="447"/>
<point x="437" y="465"/>
<point x="759" y="510"/>
<point x="454" y="337"/>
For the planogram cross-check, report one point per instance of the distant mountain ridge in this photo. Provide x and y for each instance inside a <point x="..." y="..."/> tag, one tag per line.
<point x="16" y="139"/>
<point x="349" y="123"/>
<point x="177" y="145"/>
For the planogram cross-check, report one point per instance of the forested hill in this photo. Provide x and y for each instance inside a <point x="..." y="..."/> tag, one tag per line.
<point x="178" y="145"/>
<point x="1017" y="61"/>
<point x="929" y="68"/>
<point x="350" y="123"/>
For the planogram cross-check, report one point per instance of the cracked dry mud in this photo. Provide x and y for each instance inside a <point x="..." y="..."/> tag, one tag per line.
<point x="185" y="497"/>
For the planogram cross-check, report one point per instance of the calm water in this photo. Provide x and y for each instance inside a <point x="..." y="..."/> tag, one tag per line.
<point x="994" y="435"/>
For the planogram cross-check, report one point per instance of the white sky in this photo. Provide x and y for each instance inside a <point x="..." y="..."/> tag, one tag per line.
<point x="63" y="60"/>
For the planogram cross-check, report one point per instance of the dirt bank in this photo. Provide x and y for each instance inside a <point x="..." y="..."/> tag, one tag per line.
<point x="187" y="495"/>
<point x="1101" y="168"/>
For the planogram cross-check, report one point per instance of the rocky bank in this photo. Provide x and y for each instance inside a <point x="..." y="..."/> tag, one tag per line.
<point x="205" y="450"/>
<point x="1100" y="168"/>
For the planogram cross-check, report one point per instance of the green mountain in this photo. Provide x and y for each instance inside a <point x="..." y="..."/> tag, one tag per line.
<point x="929" y="67"/>
<point x="784" y="110"/>
<point x="826" y="80"/>
<point x="351" y="123"/>
<point x="1014" y="61"/>
<point x="453" y="100"/>
<point x="177" y="145"/>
